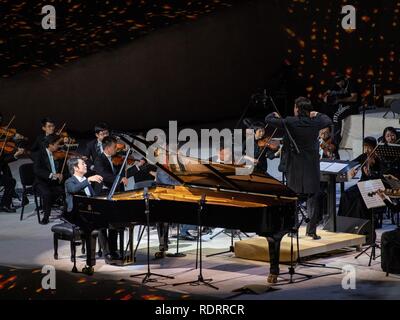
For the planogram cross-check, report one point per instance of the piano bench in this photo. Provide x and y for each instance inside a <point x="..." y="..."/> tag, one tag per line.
<point x="65" y="231"/>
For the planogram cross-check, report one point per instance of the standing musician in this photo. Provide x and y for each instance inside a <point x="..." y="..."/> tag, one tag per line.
<point x="7" y="181"/>
<point x="94" y="148"/>
<point x="302" y="169"/>
<point x="351" y="202"/>
<point x="48" y="178"/>
<point x="343" y="100"/>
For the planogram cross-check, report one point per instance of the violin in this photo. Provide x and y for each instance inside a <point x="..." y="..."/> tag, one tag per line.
<point x="391" y="193"/>
<point x="61" y="154"/>
<point x="328" y="148"/>
<point x="267" y="142"/>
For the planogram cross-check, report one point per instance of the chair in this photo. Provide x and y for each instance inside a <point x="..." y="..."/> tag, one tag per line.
<point x="68" y="232"/>
<point x="27" y="179"/>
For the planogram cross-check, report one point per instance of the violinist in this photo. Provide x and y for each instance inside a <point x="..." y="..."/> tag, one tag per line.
<point x="351" y="202"/>
<point x="328" y="149"/>
<point x="390" y="165"/>
<point x="94" y="148"/>
<point x="265" y="148"/>
<point x="48" y="178"/>
<point x="7" y="181"/>
<point x="48" y="128"/>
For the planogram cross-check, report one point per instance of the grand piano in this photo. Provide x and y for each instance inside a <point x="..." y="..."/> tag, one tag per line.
<point x="250" y="203"/>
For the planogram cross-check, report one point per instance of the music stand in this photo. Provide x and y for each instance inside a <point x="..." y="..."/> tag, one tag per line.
<point x="388" y="150"/>
<point x="199" y="251"/>
<point x="148" y="274"/>
<point x="372" y="201"/>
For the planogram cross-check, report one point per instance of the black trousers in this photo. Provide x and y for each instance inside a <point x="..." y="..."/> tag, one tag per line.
<point x="49" y="193"/>
<point x="9" y="188"/>
<point x="313" y="211"/>
<point x="109" y="240"/>
<point x="163" y="231"/>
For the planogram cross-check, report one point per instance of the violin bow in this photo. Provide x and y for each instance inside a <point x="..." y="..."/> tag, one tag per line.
<point x="266" y="145"/>
<point x="61" y="129"/>
<point x="65" y="159"/>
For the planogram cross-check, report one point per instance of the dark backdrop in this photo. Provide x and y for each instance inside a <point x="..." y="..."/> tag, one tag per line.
<point x="201" y="71"/>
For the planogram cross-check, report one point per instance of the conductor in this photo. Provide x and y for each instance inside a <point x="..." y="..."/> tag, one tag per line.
<point x="302" y="167"/>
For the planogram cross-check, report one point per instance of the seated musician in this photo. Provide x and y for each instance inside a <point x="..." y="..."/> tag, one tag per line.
<point x="264" y="148"/>
<point x="78" y="184"/>
<point x="7" y="181"/>
<point x="48" y="180"/>
<point x="328" y="148"/>
<point x="104" y="167"/>
<point x="351" y="202"/>
<point x="343" y="100"/>
<point x="94" y="148"/>
<point x="390" y="166"/>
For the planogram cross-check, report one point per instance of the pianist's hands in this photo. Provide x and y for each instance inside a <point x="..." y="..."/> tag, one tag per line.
<point x="124" y="180"/>
<point x="96" y="178"/>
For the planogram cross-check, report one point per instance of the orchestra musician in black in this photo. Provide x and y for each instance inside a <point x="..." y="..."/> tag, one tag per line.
<point x="104" y="167"/>
<point x="390" y="166"/>
<point x="302" y="169"/>
<point x="343" y="100"/>
<point x="48" y="178"/>
<point x="6" y="179"/>
<point x="351" y="202"/>
<point x="94" y="148"/>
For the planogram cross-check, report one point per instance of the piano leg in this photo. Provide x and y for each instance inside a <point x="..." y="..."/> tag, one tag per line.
<point x="274" y="245"/>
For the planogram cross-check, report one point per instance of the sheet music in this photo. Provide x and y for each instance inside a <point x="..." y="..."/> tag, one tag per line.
<point x="369" y="186"/>
<point x="334" y="167"/>
<point x="337" y="167"/>
<point x="324" y="165"/>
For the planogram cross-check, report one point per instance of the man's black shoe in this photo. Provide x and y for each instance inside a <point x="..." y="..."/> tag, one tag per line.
<point x="112" y="258"/>
<point x="7" y="209"/>
<point x="44" y="221"/>
<point x="314" y="236"/>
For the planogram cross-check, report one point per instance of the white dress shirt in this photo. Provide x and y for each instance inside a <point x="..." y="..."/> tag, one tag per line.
<point x="81" y="179"/>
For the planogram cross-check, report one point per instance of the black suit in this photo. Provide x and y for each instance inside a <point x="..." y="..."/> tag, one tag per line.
<point x="38" y="144"/>
<point x="48" y="188"/>
<point x="7" y="180"/>
<point x="92" y="151"/>
<point x="103" y="167"/>
<point x="302" y="169"/>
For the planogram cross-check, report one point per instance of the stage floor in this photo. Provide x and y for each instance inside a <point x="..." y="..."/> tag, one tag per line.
<point x="256" y="248"/>
<point x="26" y="246"/>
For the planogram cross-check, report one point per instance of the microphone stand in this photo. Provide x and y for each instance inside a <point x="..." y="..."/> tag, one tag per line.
<point x="147" y="275"/>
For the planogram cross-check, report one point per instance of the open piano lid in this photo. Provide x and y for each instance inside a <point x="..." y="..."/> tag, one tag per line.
<point x="193" y="172"/>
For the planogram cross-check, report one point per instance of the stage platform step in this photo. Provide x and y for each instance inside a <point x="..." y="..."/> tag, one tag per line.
<point x="257" y="248"/>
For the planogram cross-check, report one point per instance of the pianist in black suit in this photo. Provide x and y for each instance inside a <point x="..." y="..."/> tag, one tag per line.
<point x="48" y="178"/>
<point x="303" y="175"/>
<point x="94" y="148"/>
<point x="78" y="184"/>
